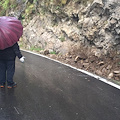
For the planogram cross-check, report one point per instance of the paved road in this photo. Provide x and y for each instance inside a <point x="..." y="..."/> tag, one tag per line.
<point x="48" y="90"/>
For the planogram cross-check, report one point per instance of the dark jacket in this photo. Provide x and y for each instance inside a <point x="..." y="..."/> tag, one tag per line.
<point x="10" y="53"/>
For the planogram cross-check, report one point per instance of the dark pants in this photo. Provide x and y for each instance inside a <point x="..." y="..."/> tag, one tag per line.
<point x="7" y="70"/>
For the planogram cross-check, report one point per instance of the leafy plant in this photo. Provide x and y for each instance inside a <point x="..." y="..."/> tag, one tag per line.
<point x="53" y="52"/>
<point x="62" y="39"/>
<point x="37" y="49"/>
<point x="5" y="4"/>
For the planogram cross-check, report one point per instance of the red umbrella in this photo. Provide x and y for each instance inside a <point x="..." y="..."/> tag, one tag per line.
<point x="11" y="30"/>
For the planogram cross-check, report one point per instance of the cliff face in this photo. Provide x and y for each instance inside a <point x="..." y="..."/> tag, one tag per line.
<point x="61" y="25"/>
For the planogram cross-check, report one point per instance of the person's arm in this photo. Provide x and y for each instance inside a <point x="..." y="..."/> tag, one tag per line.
<point x="17" y="52"/>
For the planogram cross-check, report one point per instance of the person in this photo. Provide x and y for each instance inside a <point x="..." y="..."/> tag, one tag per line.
<point x="7" y="65"/>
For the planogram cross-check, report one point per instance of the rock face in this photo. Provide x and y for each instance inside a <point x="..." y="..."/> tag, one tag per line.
<point x="96" y="25"/>
<point x="101" y="25"/>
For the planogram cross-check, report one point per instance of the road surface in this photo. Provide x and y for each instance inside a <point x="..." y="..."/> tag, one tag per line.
<point x="48" y="90"/>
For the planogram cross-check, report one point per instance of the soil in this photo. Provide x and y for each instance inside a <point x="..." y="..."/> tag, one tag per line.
<point x="106" y="66"/>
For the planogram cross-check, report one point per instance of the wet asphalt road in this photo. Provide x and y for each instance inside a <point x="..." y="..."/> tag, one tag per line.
<point x="48" y="90"/>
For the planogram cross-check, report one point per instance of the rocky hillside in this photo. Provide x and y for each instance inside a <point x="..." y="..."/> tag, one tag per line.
<point x="57" y="27"/>
<point x="90" y="27"/>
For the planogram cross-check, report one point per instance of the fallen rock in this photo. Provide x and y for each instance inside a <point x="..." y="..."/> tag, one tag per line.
<point x="104" y="70"/>
<point x="116" y="72"/>
<point x="117" y="75"/>
<point x="46" y="52"/>
<point x="77" y="59"/>
<point x="113" y="21"/>
<point x="42" y="52"/>
<point x="85" y="64"/>
<point x="82" y="56"/>
<point x="98" y="72"/>
<point x="70" y="56"/>
<point x="92" y="58"/>
<point x="101" y="63"/>
<point x="52" y="56"/>
<point x="110" y="76"/>
<point x="109" y="67"/>
<point x="117" y="78"/>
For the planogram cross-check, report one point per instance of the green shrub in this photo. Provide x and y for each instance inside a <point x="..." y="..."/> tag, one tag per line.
<point x="53" y="52"/>
<point x="5" y="4"/>
<point x="37" y="49"/>
<point x="62" y="39"/>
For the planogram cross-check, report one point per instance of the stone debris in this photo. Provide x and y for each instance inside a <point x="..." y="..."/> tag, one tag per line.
<point x="46" y="52"/>
<point x="114" y="75"/>
<point x="77" y="58"/>
<point x="98" y="72"/>
<point x="110" y="76"/>
<point x="85" y="64"/>
<point x="101" y="63"/>
<point x="116" y="72"/>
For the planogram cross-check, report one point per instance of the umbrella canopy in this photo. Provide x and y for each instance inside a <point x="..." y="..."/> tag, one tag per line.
<point x="11" y="30"/>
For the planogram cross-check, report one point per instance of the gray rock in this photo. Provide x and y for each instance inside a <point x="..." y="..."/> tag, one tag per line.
<point x="46" y="52"/>
<point x="110" y="76"/>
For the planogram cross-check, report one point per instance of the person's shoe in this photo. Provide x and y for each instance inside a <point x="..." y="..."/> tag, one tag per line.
<point x="2" y="85"/>
<point x="12" y="86"/>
